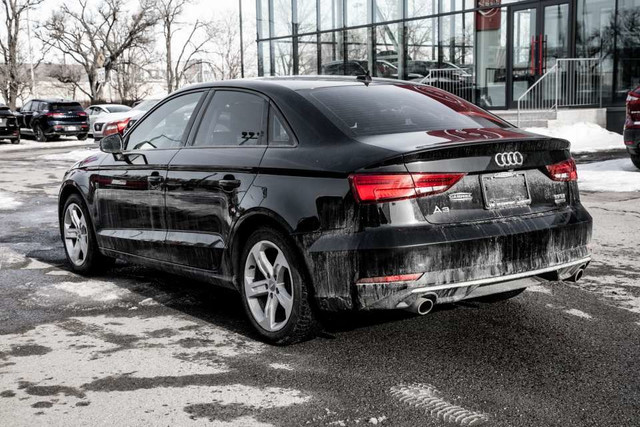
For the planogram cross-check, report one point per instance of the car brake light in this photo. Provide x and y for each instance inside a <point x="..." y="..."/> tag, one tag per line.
<point x="115" y="127"/>
<point x="82" y="113"/>
<point x="563" y="171"/>
<point x="55" y="115"/>
<point x="388" y="187"/>
<point x="391" y="279"/>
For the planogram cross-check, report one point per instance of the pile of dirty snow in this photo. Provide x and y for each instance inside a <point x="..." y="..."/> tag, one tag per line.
<point x="610" y="175"/>
<point x="7" y="202"/>
<point x="584" y="137"/>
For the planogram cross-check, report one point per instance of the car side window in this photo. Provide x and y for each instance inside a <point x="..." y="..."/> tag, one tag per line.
<point x="27" y="106"/>
<point x="232" y="118"/>
<point x="279" y="135"/>
<point x="166" y="125"/>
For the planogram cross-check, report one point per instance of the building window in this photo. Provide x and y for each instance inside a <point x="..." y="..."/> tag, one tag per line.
<point x="387" y="10"/>
<point x="332" y="53"/>
<point x="357" y="44"/>
<point x="331" y="14"/>
<point x="388" y="48"/>
<point x="491" y="58"/>
<point x="307" y="55"/>
<point x="358" y="12"/>
<point x="307" y="18"/>
<point x="281" y="18"/>
<point x="283" y="57"/>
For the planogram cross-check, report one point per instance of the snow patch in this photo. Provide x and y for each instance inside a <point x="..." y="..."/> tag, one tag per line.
<point x="281" y="366"/>
<point x="34" y="264"/>
<point x="584" y="137"/>
<point x="9" y="258"/>
<point x="539" y="289"/>
<point x="578" y="313"/>
<point x="71" y="156"/>
<point x="610" y="175"/>
<point x="7" y="202"/>
<point x="93" y="289"/>
<point x="59" y="273"/>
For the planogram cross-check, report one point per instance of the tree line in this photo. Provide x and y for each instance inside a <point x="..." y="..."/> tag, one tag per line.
<point x="114" y="38"/>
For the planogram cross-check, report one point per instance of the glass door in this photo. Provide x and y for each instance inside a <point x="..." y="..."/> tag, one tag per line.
<point x="539" y="37"/>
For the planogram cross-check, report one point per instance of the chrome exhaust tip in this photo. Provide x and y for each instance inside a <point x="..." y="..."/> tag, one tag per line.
<point x="422" y="305"/>
<point x="578" y="274"/>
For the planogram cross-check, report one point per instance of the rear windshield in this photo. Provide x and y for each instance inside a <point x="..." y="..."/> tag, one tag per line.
<point x="66" y="106"/>
<point x="118" y="108"/>
<point x="397" y="108"/>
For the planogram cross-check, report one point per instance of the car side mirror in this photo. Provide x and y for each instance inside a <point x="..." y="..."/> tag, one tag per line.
<point x="111" y="144"/>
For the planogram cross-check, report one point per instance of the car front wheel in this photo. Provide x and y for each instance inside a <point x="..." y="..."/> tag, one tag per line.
<point x="274" y="293"/>
<point x="79" y="239"/>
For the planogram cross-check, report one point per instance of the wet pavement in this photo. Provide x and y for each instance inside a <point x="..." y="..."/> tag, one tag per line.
<point x="138" y="347"/>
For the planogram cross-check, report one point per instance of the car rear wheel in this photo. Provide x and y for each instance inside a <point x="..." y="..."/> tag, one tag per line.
<point x="82" y="137"/>
<point x="16" y="140"/>
<point x="39" y="133"/>
<point x="636" y="161"/>
<point x="275" y="294"/>
<point x="79" y="239"/>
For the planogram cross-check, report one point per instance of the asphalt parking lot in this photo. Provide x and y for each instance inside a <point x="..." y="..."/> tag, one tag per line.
<point x="139" y="347"/>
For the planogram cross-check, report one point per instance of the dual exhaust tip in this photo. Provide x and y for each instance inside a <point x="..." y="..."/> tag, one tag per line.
<point x="423" y="304"/>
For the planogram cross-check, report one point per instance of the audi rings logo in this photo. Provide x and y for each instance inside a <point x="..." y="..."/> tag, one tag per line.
<point x="510" y="159"/>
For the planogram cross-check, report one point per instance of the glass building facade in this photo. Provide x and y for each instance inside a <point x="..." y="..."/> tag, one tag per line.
<point x="492" y="49"/>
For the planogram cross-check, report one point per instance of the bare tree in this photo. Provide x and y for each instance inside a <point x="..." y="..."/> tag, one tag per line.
<point x="69" y="77"/>
<point x="169" y="13"/>
<point x="224" y="54"/>
<point x="13" y="75"/>
<point x="97" y="38"/>
<point x="131" y="74"/>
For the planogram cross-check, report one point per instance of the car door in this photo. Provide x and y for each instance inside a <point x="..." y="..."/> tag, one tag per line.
<point x="26" y="114"/>
<point x="209" y="177"/>
<point x="129" y="188"/>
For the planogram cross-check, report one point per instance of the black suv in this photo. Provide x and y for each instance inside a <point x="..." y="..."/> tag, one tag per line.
<point x="48" y="119"/>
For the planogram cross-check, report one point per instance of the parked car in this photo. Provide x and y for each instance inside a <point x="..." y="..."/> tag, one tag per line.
<point x="9" y="129"/>
<point x="309" y="194"/>
<point x="632" y="126"/>
<point x="108" y="124"/>
<point x="95" y="111"/>
<point x="357" y="67"/>
<point x="48" y="119"/>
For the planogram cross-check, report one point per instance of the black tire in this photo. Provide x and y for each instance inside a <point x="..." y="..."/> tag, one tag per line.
<point x="38" y="132"/>
<point x="302" y="323"/>
<point x="82" y="136"/>
<point x="16" y="141"/>
<point x="501" y="296"/>
<point x="94" y="261"/>
<point x="636" y="161"/>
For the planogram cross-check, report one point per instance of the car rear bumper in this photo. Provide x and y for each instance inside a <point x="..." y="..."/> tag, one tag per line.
<point x="454" y="260"/>
<point x="9" y="133"/>
<point x="65" y="128"/>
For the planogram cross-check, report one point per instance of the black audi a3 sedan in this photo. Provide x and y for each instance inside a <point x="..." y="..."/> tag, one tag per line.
<point x="310" y="194"/>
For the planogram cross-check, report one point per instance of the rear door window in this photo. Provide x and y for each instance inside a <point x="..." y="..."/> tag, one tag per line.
<point x="232" y="118"/>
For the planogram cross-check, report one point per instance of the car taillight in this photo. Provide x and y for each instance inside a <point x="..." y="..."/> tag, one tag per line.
<point x="563" y="171"/>
<point x="388" y="187"/>
<point x="55" y="115"/>
<point x="392" y="279"/>
<point x="82" y="113"/>
<point x="115" y="127"/>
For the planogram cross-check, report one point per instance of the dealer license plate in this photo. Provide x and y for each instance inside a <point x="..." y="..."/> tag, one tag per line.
<point x="505" y="189"/>
<point x="72" y="128"/>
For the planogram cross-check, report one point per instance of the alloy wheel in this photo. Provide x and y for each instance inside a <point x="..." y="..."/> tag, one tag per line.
<point x="76" y="234"/>
<point x="268" y="286"/>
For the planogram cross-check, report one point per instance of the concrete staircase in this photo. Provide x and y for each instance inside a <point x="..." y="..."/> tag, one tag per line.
<point x="527" y="118"/>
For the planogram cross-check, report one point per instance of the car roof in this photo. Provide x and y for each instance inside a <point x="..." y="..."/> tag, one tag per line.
<point x="107" y="105"/>
<point x="294" y="83"/>
<point x="59" y="100"/>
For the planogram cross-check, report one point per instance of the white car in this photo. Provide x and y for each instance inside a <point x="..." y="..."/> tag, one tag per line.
<point x="120" y="119"/>
<point x="100" y="110"/>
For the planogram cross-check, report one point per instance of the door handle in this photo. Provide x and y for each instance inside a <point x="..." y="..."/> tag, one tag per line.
<point x="229" y="184"/>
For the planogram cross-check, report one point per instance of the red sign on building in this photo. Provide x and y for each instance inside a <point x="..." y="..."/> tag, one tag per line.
<point x="488" y="19"/>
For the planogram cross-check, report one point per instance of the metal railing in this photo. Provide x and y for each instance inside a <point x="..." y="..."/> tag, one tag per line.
<point x="571" y="82"/>
<point x="454" y="80"/>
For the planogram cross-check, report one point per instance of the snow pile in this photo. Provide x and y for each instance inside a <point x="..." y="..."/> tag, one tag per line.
<point x="610" y="175"/>
<point x="584" y="137"/>
<point x="72" y="156"/>
<point x="7" y="202"/>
